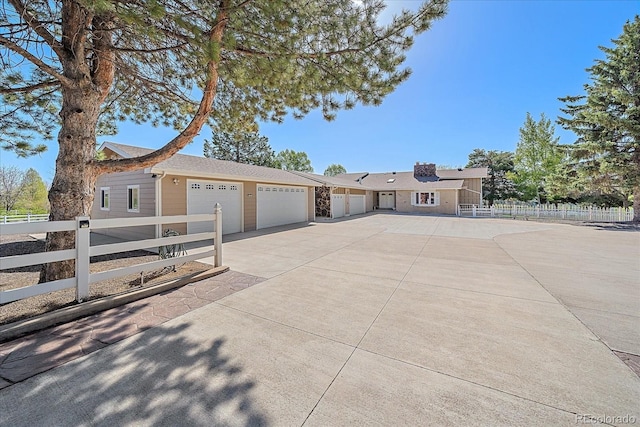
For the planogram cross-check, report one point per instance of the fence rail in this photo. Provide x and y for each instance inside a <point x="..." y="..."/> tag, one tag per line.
<point x="565" y="212"/>
<point x="9" y="219"/>
<point x="84" y="251"/>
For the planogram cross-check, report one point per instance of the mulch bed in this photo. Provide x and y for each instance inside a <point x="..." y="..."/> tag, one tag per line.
<point x="36" y="305"/>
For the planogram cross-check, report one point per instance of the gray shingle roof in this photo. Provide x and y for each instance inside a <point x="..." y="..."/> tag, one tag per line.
<point x="446" y="179"/>
<point x="334" y="181"/>
<point x="204" y="167"/>
<point x="403" y="181"/>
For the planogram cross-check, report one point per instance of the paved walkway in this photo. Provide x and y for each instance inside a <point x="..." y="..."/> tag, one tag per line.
<point x="379" y="320"/>
<point x="36" y="353"/>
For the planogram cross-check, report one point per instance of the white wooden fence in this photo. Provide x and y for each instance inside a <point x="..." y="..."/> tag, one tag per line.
<point x="83" y="251"/>
<point x="8" y="219"/>
<point x="565" y="212"/>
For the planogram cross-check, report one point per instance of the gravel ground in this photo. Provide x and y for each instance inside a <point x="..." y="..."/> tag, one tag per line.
<point x="25" y="276"/>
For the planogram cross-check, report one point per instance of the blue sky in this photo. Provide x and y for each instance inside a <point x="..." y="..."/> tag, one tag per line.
<point x="476" y="74"/>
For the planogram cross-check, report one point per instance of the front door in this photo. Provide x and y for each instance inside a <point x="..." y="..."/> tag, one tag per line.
<point x="386" y="201"/>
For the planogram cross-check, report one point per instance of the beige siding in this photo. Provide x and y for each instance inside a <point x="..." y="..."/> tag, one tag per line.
<point x="117" y="183"/>
<point x="250" y="205"/>
<point x="347" y="205"/>
<point x="174" y="201"/>
<point x="447" y="203"/>
<point x="311" y="207"/>
<point x="471" y="197"/>
<point x="369" y="200"/>
<point x="358" y="192"/>
<point x="109" y="154"/>
<point x="339" y="190"/>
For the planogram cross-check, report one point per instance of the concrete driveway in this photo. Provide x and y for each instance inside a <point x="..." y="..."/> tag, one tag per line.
<point x="379" y="320"/>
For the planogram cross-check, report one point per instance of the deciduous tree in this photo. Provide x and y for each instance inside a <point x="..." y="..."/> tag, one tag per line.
<point x="537" y="156"/>
<point x="10" y="186"/>
<point x="334" y="169"/>
<point x="294" y="161"/>
<point x="80" y="67"/>
<point x="606" y="120"/>
<point x="33" y="195"/>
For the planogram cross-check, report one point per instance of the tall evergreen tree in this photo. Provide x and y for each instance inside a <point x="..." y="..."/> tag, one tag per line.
<point x="536" y="158"/>
<point x="499" y="164"/>
<point x="245" y="147"/>
<point x="607" y="119"/>
<point x="83" y="66"/>
<point x="294" y="161"/>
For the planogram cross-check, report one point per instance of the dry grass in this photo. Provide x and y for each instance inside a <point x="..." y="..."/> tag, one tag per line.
<point x="26" y="276"/>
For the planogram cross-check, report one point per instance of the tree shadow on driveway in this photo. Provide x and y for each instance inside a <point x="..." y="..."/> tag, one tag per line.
<point x="160" y="377"/>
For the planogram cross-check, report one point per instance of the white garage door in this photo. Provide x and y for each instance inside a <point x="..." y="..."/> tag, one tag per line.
<point x="357" y="204"/>
<point x="279" y="205"/>
<point x="337" y="205"/>
<point x="202" y="197"/>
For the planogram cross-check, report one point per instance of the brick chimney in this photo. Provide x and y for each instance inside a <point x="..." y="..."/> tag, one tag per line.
<point x="424" y="170"/>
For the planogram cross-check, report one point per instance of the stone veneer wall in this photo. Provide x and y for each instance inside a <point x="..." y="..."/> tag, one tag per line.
<point x="323" y="201"/>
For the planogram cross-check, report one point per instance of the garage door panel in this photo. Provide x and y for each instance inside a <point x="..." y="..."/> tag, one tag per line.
<point x="338" y="205"/>
<point x="202" y="197"/>
<point x="280" y="205"/>
<point x="357" y="204"/>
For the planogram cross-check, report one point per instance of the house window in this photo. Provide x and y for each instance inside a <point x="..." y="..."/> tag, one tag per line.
<point x="420" y="198"/>
<point x="105" y="194"/>
<point x="133" y="198"/>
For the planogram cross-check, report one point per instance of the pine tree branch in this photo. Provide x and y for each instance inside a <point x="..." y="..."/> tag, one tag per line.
<point x="160" y="49"/>
<point x="242" y="4"/>
<point x="196" y="123"/>
<point x="38" y="27"/>
<point x="37" y="62"/>
<point x="251" y="52"/>
<point x="30" y="88"/>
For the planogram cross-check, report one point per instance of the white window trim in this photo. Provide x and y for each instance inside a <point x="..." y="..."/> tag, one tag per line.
<point x="130" y="207"/>
<point x="105" y="191"/>
<point x="436" y="198"/>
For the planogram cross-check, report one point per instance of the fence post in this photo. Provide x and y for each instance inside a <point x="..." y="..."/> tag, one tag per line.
<point x="473" y="210"/>
<point x="83" y="244"/>
<point x="217" y="244"/>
